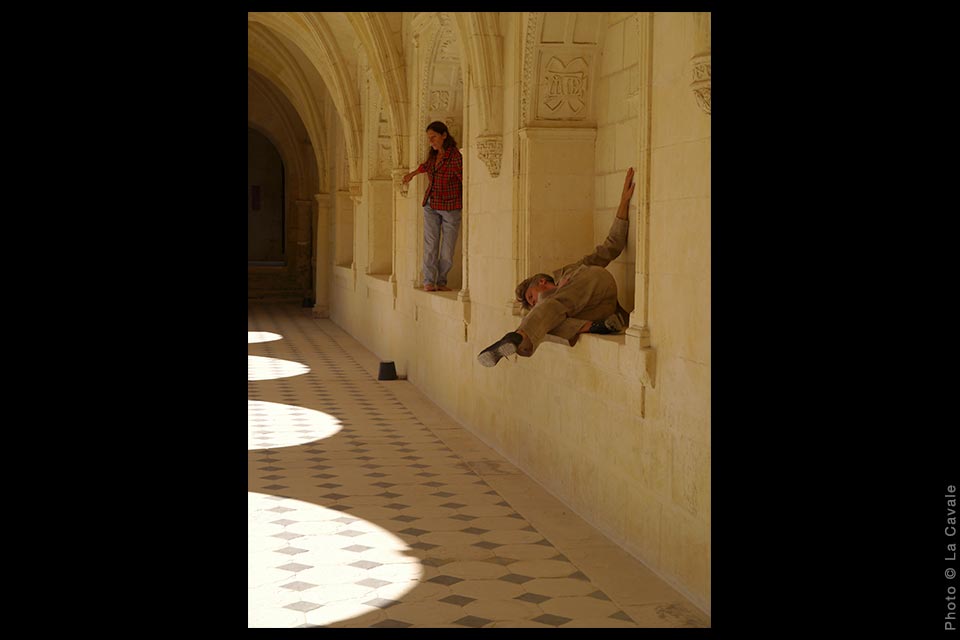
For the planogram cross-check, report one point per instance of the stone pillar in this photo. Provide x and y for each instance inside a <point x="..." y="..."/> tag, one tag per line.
<point x="638" y="333"/>
<point x="323" y="262"/>
<point x="379" y="226"/>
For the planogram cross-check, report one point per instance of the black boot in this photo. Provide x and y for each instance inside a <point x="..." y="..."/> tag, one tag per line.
<point x="505" y="346"/>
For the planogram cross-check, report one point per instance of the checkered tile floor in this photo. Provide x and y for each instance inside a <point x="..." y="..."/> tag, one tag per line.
<point x="361" y="516"/>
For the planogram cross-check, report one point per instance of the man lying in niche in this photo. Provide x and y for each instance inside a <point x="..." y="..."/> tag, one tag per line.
<point x="578" y="298"/>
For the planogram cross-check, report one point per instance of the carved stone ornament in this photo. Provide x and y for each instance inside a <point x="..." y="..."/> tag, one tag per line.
<point x="531" y="40"/>
<point x="563" y="89"/>
<point x="439" y="100"/>
<point x="701" y="81"/>
<point x="490" y="150"/>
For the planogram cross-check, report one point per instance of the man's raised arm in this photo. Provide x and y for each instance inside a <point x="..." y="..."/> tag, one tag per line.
<point x="616" y="240"/>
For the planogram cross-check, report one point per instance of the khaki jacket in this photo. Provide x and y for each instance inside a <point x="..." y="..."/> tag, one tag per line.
<point x="590" y="293"/>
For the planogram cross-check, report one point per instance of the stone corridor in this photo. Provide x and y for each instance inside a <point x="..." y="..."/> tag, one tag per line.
<point x="369" y="506"/>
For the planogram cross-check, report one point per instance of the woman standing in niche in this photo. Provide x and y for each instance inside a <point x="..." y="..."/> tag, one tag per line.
<point x="442" y="205"/>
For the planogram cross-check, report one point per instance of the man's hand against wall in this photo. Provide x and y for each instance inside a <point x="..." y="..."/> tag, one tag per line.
<point x="628" y="186"/>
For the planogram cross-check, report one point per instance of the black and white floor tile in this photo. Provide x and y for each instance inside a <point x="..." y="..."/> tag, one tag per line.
<point x="361" y="516"/>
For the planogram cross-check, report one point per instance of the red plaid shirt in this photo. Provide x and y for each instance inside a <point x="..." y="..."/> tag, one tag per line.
<point x="446" y="180"/>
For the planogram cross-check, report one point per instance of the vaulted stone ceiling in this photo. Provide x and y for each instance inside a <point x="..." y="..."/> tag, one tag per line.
<point x="314" y="59"/>
<point x="307" y="56"/>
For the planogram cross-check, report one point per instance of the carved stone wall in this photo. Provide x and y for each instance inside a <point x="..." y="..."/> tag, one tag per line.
<point x="441" y="78"/>
<point x="560" y="58"/>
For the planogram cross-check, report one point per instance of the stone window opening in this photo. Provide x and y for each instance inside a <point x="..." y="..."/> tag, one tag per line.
<point x="441" y="98"/>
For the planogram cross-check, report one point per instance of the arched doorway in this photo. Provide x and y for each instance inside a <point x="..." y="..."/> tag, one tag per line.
<point x="266" y="223"/>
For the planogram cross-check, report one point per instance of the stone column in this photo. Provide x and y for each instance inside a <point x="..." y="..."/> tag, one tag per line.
<point x="638" y="333"/>
<point x="323" y="262"/>
<point x="379" y="226"/>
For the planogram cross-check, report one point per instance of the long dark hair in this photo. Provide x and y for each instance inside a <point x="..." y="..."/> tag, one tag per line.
<point x="439" y="128"/>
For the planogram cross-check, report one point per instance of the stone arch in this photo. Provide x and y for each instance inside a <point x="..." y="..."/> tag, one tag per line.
<point x="272" y="115"/>
<point x="482" y="46"/>
<point x="271" y="60"/>
<point x="281" y="131"/>
<point x="442" y="80"/>
<point x="483" y="52"/>
<point x="312" y="36"/>
<point x="387" y="66"/>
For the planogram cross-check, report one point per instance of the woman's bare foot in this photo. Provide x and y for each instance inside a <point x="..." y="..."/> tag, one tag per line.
<point x="441" y="287"/>
<point x="429" y="287"/>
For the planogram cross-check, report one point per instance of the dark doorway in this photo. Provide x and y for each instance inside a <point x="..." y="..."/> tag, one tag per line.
<point x="266" y="224"/>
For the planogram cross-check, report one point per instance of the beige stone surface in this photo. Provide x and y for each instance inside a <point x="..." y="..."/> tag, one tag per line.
<point x="475" y="570"/>
<point x="598" y="623"/>
<point x="684" y="548"/>
<point x="525" y="551"/>
<point x="543" y="568"/>
<point x="493" y="589"/>
<point x="579" y="607"/>
<point x="502" y="610"/>
<point x="344" y="615"/>
<point x="517" y="624"/>
<point x="429" y="612"/>
<point x="511" y="537"/>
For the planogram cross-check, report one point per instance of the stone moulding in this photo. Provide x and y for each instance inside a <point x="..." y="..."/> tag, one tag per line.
<point x="701" y="82"/>
<point x="531" y="40"/>
<point x="490" y="150"/>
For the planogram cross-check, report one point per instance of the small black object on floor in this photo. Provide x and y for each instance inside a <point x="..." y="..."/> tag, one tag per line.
<point x="388" y="371"/>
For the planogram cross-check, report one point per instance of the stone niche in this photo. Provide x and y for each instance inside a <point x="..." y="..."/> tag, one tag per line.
<point x="441" y="83"/>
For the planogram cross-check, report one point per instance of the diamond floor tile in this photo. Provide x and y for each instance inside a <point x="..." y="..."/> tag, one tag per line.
<point x="361" y="515"/>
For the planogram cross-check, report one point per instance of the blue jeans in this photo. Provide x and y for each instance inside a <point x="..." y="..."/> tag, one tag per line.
<point x="434" y="221"/>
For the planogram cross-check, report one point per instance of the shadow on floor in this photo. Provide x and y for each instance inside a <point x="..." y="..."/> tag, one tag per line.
<point x="390" y="528"/>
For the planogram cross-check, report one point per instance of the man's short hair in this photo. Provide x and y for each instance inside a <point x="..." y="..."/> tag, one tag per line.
<point x="523" y="286"/>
